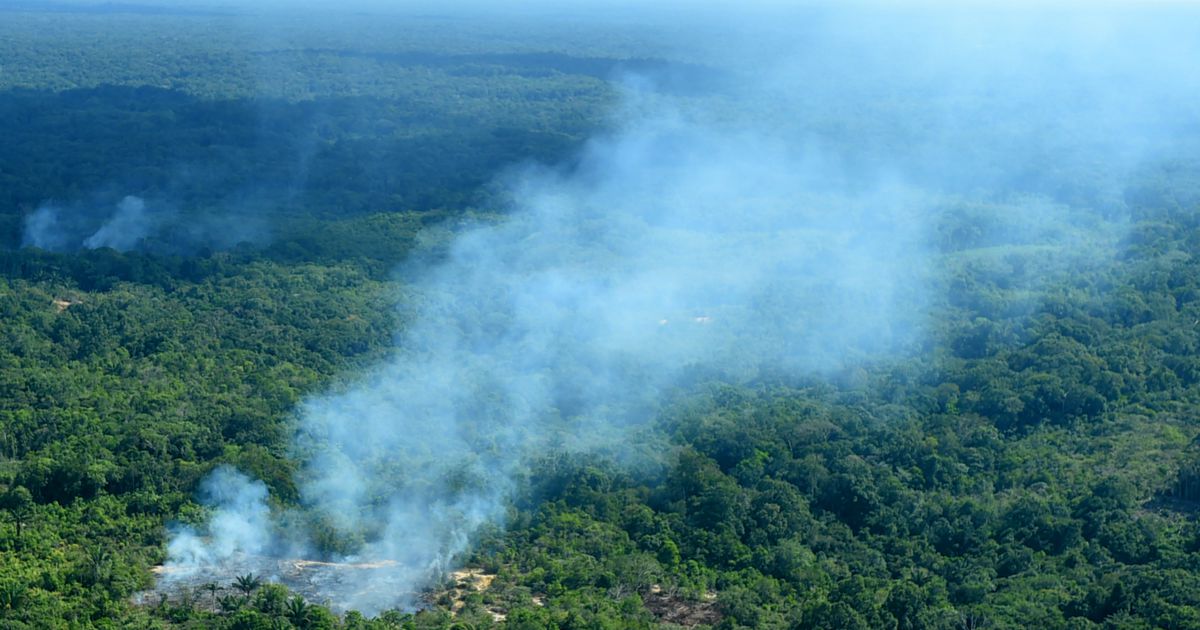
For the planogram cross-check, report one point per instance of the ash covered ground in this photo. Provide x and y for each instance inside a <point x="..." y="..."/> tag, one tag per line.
<point x="339" y="585"/>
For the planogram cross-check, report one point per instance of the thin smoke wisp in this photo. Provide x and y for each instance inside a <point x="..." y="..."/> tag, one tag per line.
<point x="134" y="224"/>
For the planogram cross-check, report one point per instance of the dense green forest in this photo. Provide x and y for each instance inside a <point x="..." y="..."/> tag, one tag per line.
<point x="1031" y="461"/>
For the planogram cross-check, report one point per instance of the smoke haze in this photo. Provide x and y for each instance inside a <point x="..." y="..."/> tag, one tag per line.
<point x="788" y="226"/>
<point x="133" y="225"/>
<point x="127" y="226"/>
<point x="240" y="522"/>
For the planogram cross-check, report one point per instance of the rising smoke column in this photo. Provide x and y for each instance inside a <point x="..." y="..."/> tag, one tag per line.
<point x="684" y="240"/>
<point x="43" y="230"/>
<point x="59" y="228"/>
<point x="240" y="523"/>
<point x="668" y="246"/>
<point x="132" y="224"/>
<point x="125" y="228"/>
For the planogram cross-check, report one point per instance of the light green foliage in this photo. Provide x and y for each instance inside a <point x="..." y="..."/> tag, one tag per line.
<point x="1034" y="466"/>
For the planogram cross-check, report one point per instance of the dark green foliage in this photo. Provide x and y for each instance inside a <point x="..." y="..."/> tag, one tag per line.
<point x="1035" y="465"/>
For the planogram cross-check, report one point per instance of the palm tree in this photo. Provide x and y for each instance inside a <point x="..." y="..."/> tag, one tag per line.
<point x="247" y="583"/>
<point x="232" y="603"/>
<point x="297" y="612"/>
<point x="12" y="595"/>
<point x="19" y="504"/>
<point x="100" y="565"/>
<point x="212" y="588"/>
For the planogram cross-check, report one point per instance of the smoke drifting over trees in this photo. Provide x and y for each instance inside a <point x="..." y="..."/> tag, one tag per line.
<point x="668" y="246"/>
<point x="769" y="230"/>
<point x="133" y="226"/>
<point x="55" y="228"/>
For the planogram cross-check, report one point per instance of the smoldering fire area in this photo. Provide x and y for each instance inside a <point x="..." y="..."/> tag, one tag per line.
<point x="718" y="235"/>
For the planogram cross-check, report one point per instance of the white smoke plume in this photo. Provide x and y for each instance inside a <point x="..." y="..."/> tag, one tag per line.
<point x="686" y="238"/>
<point x="133" y="224"/>
<point x="125" y="228"/>
<point x="240" y="524"/>
<point x="669" y="246"/>
<point x="59" y="228"/>
<point x="43" y="230"/>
